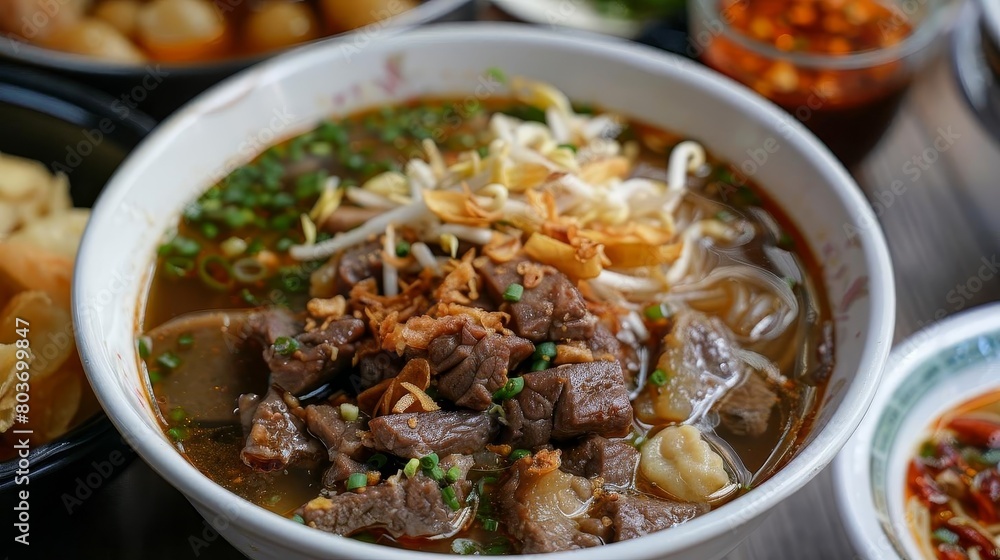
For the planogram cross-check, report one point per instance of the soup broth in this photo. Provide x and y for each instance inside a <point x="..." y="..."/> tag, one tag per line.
<point x="727" y="352"/>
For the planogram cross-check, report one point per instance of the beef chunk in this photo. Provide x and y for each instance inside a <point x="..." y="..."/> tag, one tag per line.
<point x="746" y="409"/>
<point x="635" y="516"/>
<point x="552" y="310"/>
<point x="605" y="345"/>
<point x="375" y="368"/>
<point x="321" y="352"/>
<point x="568" y="401"/>
<point x="411" y="507"/>
<point x="278" y="438"/>
<point x="417" y="434"/>
<point x="247" y="404"/>
<point x="357" y="264"/>
<point x="340" y="469"/>
<point x="475" y="369"/>
<point x="533" y="502"/>
<point x="612" y="460"/>
<point x="338" y="435"/>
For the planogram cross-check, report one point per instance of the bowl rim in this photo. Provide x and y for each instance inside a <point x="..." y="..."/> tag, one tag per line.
<point x="858" y="510"/>
<point x="171" y="465"/>
<point x="25" y="52"/>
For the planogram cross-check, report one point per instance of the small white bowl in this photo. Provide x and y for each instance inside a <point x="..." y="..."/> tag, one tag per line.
<point x="930" y="373"/>
<point x="228" y="125"/>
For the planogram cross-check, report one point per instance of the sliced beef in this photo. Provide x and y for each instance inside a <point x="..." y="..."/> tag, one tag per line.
<point x="612" y="460"/>
<point x="278" y="438"/>
<point x="411" y="507"/>
<point x="338" y="435"/>
<point x="321" y="353"/>
<point x="569" y="401"/>
<point x="341" y="468"/>
<point x="605" y="345"/>
<point x="746" y="410"/>
<point x="479" y="369"/>
<point x="356" y="264"/>
<point x="633" y="516"/>
<point x="417" y="434"/>
<point x="533" y="503"/>
<point x="375" y="368"/>
<point x="553" y="310"/>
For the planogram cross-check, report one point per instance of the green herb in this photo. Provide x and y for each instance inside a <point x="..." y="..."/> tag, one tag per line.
<point x="168" y="360"/>
<point x="429" y="462"/>
<point x="453" y="474"/>
<point x="209" y="230"/>
<point x="497" y="547"/>
<point x="483" y="151"/>
<point x="357" y="480"/>
<point x="570" y="147"/>
<point x="437" y="473"/>
<point x="465" y="547"/>
<point x="181" y="246"/>
<point x="179" y="433"/>
<point x="284" y="244"/>
<point x="928" y="450"/>
<point x="510" y="389"/>
<point x="377" y="461"/>
<point x="658" y="378"/>
<point x="185" y="340"/>
<point x="410" y="470"/>
<point x="655" y="312"/>
<point x="178" y="266"/>
<point x="145" y="346"/>
<point x="332" y="132"/>
<point x="490" y="524"/>
<point x="349" y="412"/>
<point x="540" y="365"/>
<point x="497" y="74"/>
<point x="448" y="494"/>
<point x="285" y="345"/>
<point x="310" y="184"/>
<point x="791" y="282"/>
<point x="944" y="535"/>
<point x="215" y="272"/>
<point x="154" y="376"/>
<point x="177" y="414"/>
<point x="786" y="241"/>
<point x="513" y="292"/>
<point x="298" y="519"/>
<point x="518" y="454"/>
<point x="247" y="296"/>
<point x="402" y="248"/>
<point x="546" y="351"/>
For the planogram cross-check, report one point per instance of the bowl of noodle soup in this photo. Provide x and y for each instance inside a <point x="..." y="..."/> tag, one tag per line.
<point x="453" y="196"/>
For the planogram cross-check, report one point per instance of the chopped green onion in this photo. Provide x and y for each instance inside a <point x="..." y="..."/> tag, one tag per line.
<point x="177" y="414"/>
<point x="437" y="473"/>
<point x="145" y="346"/>
<point x="430" y="461"/>
<point x="348" y="412"/>
<point x="490" y="524"/>
<point x="247" y="296"/>
<point x="448" y="494"/>
<point x="497" y="547"/>
<point x="658" y="378"/>
<point x="185" y="340"/>
<point x="215" y="272"/>
<point x="154" y="376"/>
<point x="513" y="292"/>
<point x="945" y="536"/>
<point x="255" y="247"/>
<point x="928" y="450"/>
<point x="179" y="433"/>
<point x="284" y="244"/>
<point x="540" y="365"/>
<point x="286" y="346"/>
<point x="357" y="480"/>
<point x="453" y="475"/>
<point x="786" y="241"/>
<point x="298" y="519"/>
<point x="513" y="386"/>
<point x="497" y="74"/>
<point x="249" y="270"/>
<point x="465" y="547"/>
<point x="655" y="312"/>
<point x="546" y="351"/>
<point x="168" y="360"/>
<point x="402" y="248"/>
<point x="179" y="266"/>
<point x="410" y="470"/>
<point x="518" y="454"/>
<point x="791" y="282"/>
<point x="209" y="230"/>
<point x="483" y="151"/>
<point x="185" y="247"/>
<point x="570" y="147"/>
<point x="377" y="461"/>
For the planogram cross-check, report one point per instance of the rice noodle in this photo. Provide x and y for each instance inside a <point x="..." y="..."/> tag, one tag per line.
<point x="762" y="364"/>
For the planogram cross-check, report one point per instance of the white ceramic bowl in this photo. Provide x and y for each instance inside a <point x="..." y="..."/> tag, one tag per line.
<point x="930" y="373"/>
<point x="229" y="124"/>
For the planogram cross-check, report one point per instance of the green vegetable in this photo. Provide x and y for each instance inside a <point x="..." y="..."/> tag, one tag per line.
<point x="510" y="389"/>
<point x="357" y="480"/>
<point x="181" y="246"/>
<point x="215" y="272"/>
<point x="284" y="244"/>
<point x="944" y="535"/>
<point x="429" y="462"/>
<point x="249" y="270"/>
<point x="437" y="473"/>
<point x="377" y="461"/>
<point x="286" y="346"/>
<point x="298" y="519"/>
<point x="168" y="360"/>
<point x="179" y="433"/>
<point x="546" y="351"/>
<point x="465" y="547"/>
<point x="177" y="414"/>
<point x="145" y="346"/>
<point x="410" y="470"/>
<point x="402" y="248"/>
<point x="154" y="376"/>
<point x="570" y="147"/>
<point x="658" y="378"/>
<point x="448" y="494"/>
<point x="209" y="230"/>
<point x="185" y="340"/>
<point x="786" y="241"/>
<point x="348" y="411"/>
<point x="247" y="296"/>
<point x="453" y="474"/>
<point x="540" y="365"/>
<point x="178" y="266"/>
<point x="497" y="74"/>
<point x="518" y="454"/>
<point x="490" y="524"/>
<point x="656" y="312"/>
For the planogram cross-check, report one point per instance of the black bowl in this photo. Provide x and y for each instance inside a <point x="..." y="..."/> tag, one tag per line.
<point x="80" y="132"/>
<point x="159" y="88"/>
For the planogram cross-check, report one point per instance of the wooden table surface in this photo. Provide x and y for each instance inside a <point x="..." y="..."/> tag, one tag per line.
<point x="939" y="229"/>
